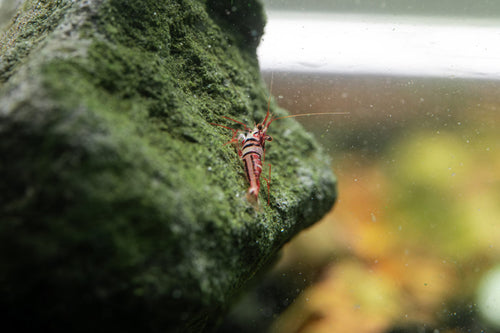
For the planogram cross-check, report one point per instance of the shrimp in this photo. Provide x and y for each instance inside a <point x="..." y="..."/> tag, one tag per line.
<point x="251" y="149"/>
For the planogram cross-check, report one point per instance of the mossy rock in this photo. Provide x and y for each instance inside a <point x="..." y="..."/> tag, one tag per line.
<point x="121" y="208"/>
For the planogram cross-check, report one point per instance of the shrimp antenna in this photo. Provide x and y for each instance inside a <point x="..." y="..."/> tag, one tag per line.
<point x="269" y="99"/>
<point x="308" y="115"/>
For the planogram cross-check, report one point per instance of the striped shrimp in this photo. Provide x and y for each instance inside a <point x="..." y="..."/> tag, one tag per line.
<point x="251" y="149"/>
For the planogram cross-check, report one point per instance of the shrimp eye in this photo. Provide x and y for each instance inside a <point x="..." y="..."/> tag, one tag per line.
<point x="259" y="127"/>
<point x="269" y="138"/>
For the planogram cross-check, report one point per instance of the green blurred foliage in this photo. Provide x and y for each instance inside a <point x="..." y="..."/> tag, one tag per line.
<point x="446" y="189"/>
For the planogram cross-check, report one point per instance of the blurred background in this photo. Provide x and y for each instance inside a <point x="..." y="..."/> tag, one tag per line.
<point x="413" y="243"/>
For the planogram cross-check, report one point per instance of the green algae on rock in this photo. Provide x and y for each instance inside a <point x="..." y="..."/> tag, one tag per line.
<point x="121" y="208"/>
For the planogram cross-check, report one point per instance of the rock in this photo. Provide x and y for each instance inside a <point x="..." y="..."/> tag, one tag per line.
<point x="121" y="208"/>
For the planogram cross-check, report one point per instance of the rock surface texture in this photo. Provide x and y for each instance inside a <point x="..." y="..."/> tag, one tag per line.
<point x="121" y="208"/>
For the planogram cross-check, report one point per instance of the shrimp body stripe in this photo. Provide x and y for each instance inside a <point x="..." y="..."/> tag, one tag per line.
<point x="251" y="153"/>
<point x="252" y="149"/>
<point x="253" y="169"/>
<point x="251" y="145"/>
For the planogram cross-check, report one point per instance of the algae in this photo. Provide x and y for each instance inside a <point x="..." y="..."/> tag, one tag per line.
<point x="119" y="200"/>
